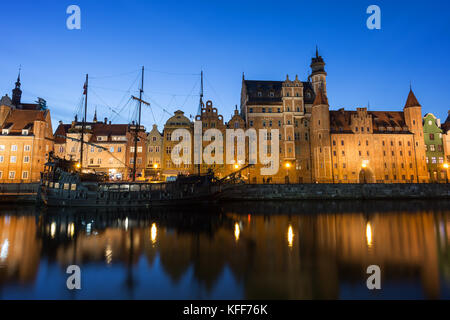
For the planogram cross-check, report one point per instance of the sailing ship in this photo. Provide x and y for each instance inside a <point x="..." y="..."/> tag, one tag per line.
<point x="65" y="184"/>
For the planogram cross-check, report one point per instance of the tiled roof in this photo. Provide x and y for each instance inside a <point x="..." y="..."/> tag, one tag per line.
<point x="23" y="119"/>
<point x="97" y="129"/>
<point x="340" y="121"/>
<point x="265" y="88"/>
<point x="320" y="99"/>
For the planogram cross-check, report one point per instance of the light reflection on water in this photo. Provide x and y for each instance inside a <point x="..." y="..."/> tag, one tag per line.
<point x="305" y="250"/>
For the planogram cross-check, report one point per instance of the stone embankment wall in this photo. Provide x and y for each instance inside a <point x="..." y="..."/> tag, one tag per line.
<point x="18" y="192"/>
<point x="334" y="191"/>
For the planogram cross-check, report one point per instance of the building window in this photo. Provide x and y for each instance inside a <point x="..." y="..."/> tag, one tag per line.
<point x="431" y="136"/>
<point x="156" y="149"/>
<point x="99" y="161"/>
<point x="432" y="147"/>
<point x="13" y="159"/>
<point x="14" y="147"/>
<point x="91" y="161"/>
<point x="131" y="149"/>
<point x="272" y="94"/>
<point x="119" y="149"/>
<point x="169" y="137"/>
<point x="168" y="150"/>
<point x="433" y="160"/>
<point x="27" y="148"/>
<point x="250" y="110"/>
<point x="26" y="159"/>
<point x="263" y="110"/>
<point x="111" y="149"/>
<point x="12" y="175"/>
<point x="251" y="123"/>
<point x="139" y="149"/>
<point x="1" y="159"/>
<point x="24" y="174"/>
<point x="259" y="94"/>
<point x="441" y="159"/>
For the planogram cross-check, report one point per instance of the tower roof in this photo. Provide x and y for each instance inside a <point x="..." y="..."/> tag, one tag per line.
<point x="412" y="100"/>
<point x="321" y="98"/>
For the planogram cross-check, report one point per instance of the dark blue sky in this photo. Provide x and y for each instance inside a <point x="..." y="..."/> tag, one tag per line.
<point x="174" y="40"/>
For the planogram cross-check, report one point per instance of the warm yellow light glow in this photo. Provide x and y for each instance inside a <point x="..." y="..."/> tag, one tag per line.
<point x="155" y="166"/>
<point x="53" y="229"/>
<point x="71" y="229"/>
<point x="237" y="231"/>
<point x="287" y="165"/>
<point x="153" y="233"/>
<point x="108" y="254"/>
<point x="446" y="165"/>
<point x="236" y="166"/>
<point x="78" y="165"/>
<point x="369" y="234"/>
<point x="364" y="165"/>
<point x="290" y="236"/>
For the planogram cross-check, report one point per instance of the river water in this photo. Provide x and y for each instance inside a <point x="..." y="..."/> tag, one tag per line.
<point x="256" y="250"/>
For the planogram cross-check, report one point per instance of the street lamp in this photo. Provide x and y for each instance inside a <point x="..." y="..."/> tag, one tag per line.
<point x="287" y="165"/>
<point x="155" y="166"/>
<point x="364" y="166"/>
<point x="236" y="166"/>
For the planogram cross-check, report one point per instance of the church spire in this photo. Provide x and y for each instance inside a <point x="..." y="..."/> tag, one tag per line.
<point x="95" y="115"/>
<point x="17" y="92"/>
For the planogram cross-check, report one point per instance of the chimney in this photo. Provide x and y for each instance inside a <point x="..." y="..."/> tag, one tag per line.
<point x="109" y="122"/>
<point x="106" y="120"/>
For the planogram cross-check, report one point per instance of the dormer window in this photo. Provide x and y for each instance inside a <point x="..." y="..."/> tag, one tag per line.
<point x="272" y="94"/>
<point x="259" y="94"/>
<point x="25" y="132"/>
<point x="5" y="131"/>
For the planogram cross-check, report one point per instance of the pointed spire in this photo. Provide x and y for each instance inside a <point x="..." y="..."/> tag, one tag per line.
<point x="243" y="76"/>
<point x="18" y="78"/>
<point x="321" y="98"/>
<point x="412" y="100"/>
<point x="95" y="115"/>
<point x="317" y="51"/>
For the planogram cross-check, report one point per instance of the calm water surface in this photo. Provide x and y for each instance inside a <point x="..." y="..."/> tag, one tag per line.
<point x="299" y="250"/>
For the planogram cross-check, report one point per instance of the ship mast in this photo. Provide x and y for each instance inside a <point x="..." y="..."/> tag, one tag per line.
<point x="84" y="121"/>
<point x="138" y="125"/>
<point x="200" y="106"/>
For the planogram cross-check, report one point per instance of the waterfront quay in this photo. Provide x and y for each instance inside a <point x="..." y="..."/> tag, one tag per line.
<point x="27" y="193"/>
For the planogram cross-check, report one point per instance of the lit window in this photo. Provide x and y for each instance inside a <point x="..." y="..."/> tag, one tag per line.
<point x="13" y="159"/>
<point x="12" y="175"/>
<point x="14" y="147"/>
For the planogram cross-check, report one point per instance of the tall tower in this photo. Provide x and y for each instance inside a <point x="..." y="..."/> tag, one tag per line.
<point x="17" y="93"/>
<point x="318" y="75"/>
<point x="413" y="119"/>
<point x="320" y="139"/>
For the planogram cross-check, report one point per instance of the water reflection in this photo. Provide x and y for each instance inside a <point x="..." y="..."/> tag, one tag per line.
<point x="255" y="250"/>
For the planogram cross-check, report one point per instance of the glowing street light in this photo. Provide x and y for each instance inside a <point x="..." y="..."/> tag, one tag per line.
<point x="364" y="165"/>
<point x="446" y="166"/>
<point x="155" y="166"/>
<point x="236" y="166"/>
<point x="78" y="165"/>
